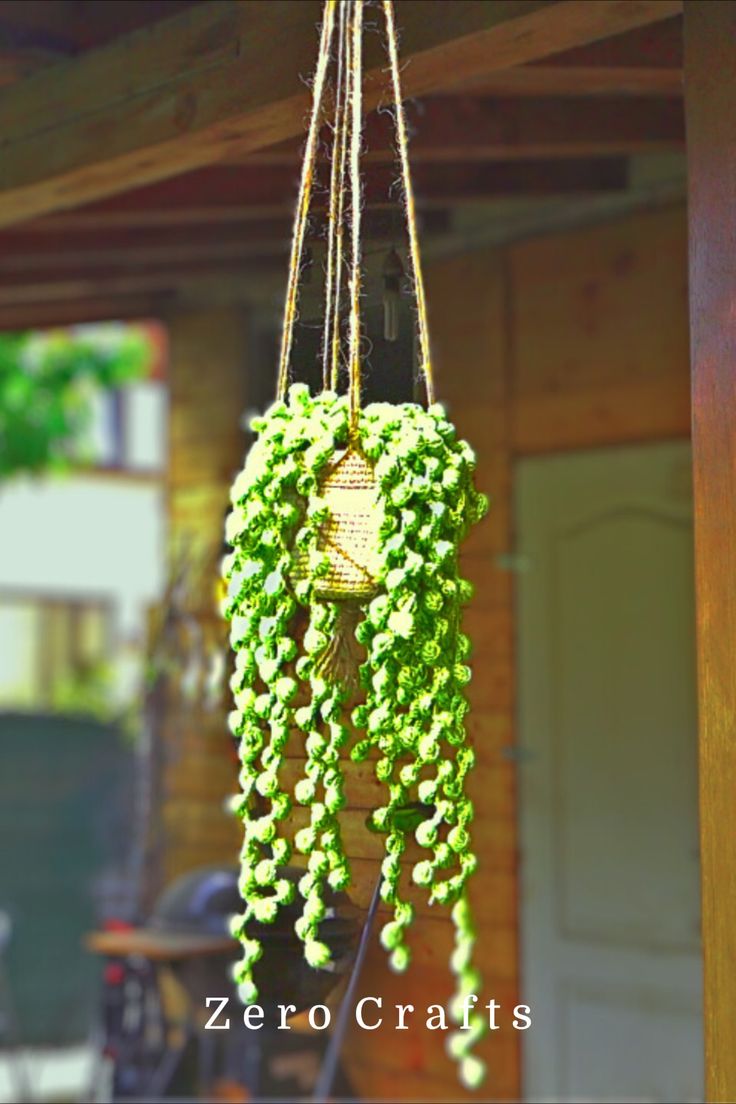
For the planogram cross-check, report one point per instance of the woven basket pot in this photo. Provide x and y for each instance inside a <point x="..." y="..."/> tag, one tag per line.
<point x="350" y="535"/>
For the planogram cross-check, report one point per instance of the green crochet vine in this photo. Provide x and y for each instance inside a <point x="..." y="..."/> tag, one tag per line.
<point x="412" y="705"/>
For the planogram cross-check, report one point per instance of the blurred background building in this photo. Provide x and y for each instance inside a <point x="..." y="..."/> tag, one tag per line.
<point x="73" y="603"/>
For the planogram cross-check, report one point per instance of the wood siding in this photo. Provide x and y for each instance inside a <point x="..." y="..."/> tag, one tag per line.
<point x="208" y="350"/>
<point x="572" y="340"/>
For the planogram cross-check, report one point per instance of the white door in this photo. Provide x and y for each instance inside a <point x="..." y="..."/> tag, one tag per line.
<point x="611" y="960"/>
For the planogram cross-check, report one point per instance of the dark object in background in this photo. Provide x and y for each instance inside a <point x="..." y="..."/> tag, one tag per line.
<point x="65" y="791"/>
<point x="393" y="274"/>
<point x="188" y="933"/>
<point x="389" y="366"/>
<point x="200" y="904"/>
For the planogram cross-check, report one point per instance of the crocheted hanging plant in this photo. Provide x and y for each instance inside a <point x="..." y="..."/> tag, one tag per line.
<point x="345" y="599"/>
<point x="286" y="555"/>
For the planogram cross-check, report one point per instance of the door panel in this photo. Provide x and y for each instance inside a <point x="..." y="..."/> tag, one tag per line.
<point x="608" y="795"/>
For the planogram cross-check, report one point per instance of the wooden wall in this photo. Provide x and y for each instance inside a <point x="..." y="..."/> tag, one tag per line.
<point x="567" y="341"/>
<point x="600" y="335"/>
<point x="208" y="350"/>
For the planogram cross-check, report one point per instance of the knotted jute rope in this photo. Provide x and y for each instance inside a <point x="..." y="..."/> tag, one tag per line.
<point x="350" y="536"/>
<point x="335" y="227"/>
<point x="346" y="147"/>
<point x="356" y="110"/>
<point x="306" y="183"/>
<point x="411" y="215"/>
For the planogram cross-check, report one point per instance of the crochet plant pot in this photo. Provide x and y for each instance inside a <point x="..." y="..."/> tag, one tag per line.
<point x="349" y="537"/>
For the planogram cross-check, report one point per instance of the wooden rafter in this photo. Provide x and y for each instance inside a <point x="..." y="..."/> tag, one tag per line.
<point x="72" y="26"/>
<point x="109" y="285"/>
<point x="49" y="243"/>
<point x="468" y="128"/>
<point x="186" y="91"/>
<point x="646" y="61"/>
<point x="97" y="308"/>
<point x="230" y="194"/>
<point x="81" y="256"/>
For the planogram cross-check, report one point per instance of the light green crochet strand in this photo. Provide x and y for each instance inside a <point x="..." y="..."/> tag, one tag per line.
<point x="413" y="679"/>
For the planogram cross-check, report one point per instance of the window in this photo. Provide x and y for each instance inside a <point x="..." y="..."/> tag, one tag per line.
<point x="128" y="429"/>
<point x="52" y="648"/>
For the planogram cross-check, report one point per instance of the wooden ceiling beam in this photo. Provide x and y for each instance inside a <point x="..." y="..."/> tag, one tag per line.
<point x="235" y="194"/>
<point x="186" y="256"/>
<point x="646" y="61"/>
<point x="557" y="80"/>
<point x="52" y="242"/>
<point x="148" y="265"/>
<point x="223" y="76"/>
<point x="73" y="26"/>
<point x="468" y="129"/>
<point x="40" y="315"/>
<point x="112" y="286"/>
<point x="16" y="65"/>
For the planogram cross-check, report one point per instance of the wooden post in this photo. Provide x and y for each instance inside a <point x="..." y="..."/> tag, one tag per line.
<point x="710" y="94"/>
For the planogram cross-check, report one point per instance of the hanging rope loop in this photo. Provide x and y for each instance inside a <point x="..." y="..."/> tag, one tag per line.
<point x="344" y="219"/>
<point x="425" y="365"/>
<point x="333" y="277"/>
<point x="306" y="183"/>
<point x="356" y="111"/>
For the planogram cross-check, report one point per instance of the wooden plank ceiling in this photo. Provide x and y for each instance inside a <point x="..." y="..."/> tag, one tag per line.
<point x="150" y="150"/>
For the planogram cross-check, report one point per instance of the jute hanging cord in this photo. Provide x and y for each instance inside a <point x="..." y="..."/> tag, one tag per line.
<point x="411" y="215"/>
<point x="306" y="183"/>
<point x="354" y="515"/>
<point x="356" y="109"/>
<point x="335" y="227"/>
<point x="347" y="131"/>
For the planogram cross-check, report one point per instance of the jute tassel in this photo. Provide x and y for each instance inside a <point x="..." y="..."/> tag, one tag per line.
<point x="343" y="656"/>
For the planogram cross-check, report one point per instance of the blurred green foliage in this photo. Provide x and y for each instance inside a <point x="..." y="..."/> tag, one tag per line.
<point x="89" y="691"/>
<point x="47" y="382"/>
